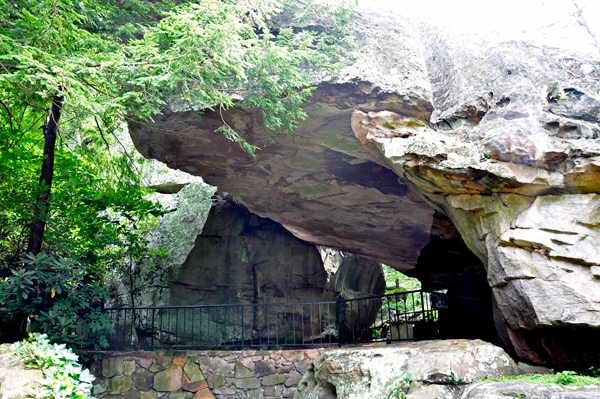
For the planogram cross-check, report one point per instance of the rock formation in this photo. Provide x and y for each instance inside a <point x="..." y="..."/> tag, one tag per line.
<point x="17" y="379"/>
<point x="452" y="369"/>
<point x="427" y="127"/>
<point x="529" y="390"/>
<point x="438" y="370"/>
<point x="241" y="258"/>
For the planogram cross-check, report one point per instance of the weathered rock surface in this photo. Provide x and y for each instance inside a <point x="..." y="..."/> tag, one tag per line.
<point x="16" y="380"/>
<point x="319" y="181"/>
<point x="241" y="258"/>
<point x="502" y="390"/>
<point x="356" y="373"/>
<point x="345" y="280"/>
<point x="498" y="136"/>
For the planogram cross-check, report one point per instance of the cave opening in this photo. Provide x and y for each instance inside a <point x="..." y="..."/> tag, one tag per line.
<point x="447" y="265"/>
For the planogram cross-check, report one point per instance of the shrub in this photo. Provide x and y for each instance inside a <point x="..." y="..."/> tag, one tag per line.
<point x="54" y="294"/>
<point x="65" y="378"/>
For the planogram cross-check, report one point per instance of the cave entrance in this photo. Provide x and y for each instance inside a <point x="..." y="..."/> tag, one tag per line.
<point x="448" y="266"/>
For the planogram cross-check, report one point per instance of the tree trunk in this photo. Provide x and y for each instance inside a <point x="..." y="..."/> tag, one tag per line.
<point x="41" y="204"/>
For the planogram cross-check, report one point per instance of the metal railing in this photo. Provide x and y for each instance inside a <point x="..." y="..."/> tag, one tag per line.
<point x="401" y="316"/>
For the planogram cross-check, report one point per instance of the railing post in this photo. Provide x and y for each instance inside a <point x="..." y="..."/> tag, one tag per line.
<point x="337" y="321"/>
<point x="423" y="306"/>
<point x="152" y="333"/>
<point x="242" y="308"/>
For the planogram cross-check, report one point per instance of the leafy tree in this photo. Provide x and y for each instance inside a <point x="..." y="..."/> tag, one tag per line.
<point x="78" y="71"/>
<point x="201" y="55"/>
<point x="398" y="282"/>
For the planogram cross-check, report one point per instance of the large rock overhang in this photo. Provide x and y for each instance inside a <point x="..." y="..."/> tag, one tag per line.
<point x="319" y="181"/>
<point x="500" y="137"/>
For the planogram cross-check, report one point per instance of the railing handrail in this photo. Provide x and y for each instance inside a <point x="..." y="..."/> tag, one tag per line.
<point x="294" y="303"/>
<point x="222" y="306"/>
<point x="381" y="296"/>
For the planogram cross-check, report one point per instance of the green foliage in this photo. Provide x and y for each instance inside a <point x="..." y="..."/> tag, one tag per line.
<point x="455" y="380"/>
<point x="119" y="61"/>
<point x="565" y="378"/>
<point x="594" y="370"/>
<point x="400" y="386"/>
<point x="403" y="302"/>
<point x="405" y="283"/>
<point x="54" y="293"/>
<point x="97" y="218"/>
<point x="208" y="54"/>
<point x="96" y="204"/>
<point x="65" y="378"/>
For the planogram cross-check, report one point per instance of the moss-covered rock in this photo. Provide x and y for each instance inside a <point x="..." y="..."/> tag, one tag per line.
<point x="169" y="380"/>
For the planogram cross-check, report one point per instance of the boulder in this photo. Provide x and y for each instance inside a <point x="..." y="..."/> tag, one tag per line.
<point x="345" y="282"/>
<point x="319" y="182"/>
<point x="239" y="259"/>
<point x="441" y="367"/>
<point x="430" y="133"/>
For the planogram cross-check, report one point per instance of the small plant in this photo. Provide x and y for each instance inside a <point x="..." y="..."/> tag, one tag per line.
<point x="455" y="380"/>
<point x="594" y="370"/>
<point x="565" y="377"/>
<point x="400" y="386"/>
<point x="549" y="379"/>
<point x="65" y="378"/>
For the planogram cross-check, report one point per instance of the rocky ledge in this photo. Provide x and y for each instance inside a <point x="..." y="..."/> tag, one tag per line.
<point x="438" y="369"/>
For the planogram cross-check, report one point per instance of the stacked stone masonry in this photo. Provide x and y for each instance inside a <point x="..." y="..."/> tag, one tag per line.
<point x="201" y="374"/>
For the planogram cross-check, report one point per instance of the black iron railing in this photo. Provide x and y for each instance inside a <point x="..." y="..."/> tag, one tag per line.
<point x="396" y="317"/>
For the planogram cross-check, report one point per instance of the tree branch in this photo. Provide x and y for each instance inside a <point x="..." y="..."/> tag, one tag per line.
<point x="581" y="21"/>
<point x="102" y="133"/>
<point x="10" y="116"/>
<point x="37" y="106"/>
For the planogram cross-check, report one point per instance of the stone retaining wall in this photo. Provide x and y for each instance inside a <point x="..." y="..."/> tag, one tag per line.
<point x="200" y="374"/>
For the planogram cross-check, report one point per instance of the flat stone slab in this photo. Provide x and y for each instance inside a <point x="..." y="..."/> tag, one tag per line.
<point x="504" y="390"/>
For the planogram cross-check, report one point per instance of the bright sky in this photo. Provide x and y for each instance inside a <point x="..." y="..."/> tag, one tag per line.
<point x="547" y="21"/>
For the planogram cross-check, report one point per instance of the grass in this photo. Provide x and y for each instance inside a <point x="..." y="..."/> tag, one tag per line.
<point x="549" y="379"/>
